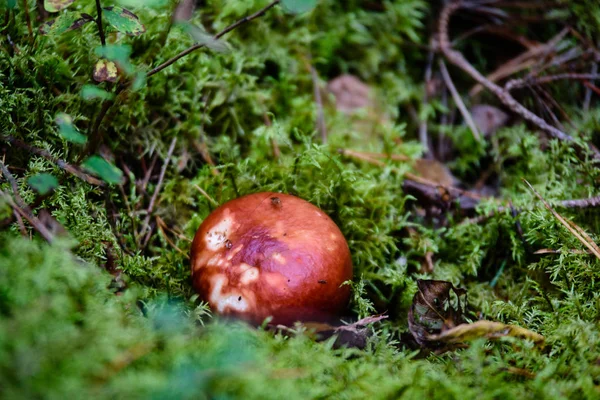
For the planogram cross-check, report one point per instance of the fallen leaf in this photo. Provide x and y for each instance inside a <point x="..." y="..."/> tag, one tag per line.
<point x="353" y="335"/>
<point x="56" y="5"/>
<point x="432" y="310"/>
<point x="351" y="94"/>
<point x="435" y="171"/>
<point x="485" y="329"/>
<point x="105" y="70"/>
<point x="488" y="118"/>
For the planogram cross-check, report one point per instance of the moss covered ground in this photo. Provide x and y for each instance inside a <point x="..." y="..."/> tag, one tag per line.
<point x="107" y="310"/>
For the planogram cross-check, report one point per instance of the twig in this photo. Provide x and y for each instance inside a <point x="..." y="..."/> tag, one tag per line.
<point x="588" y="92"/>
<point x="458" y="101"/>
<point x="578" y="232"/>
<point x="321" y="128"/>
<point x="456" y="58"/>
<point x="20" y="222"/>
<point x="158" y="187"/>
<point x="521" y="62"/>
<point x="274" y="145"/>
<point x="519" y="83"/>
<point x="60" y="163"/>
<point x="93" y="132"/>
<point x="582" y="203"/>
<point x="162" y="226"/>
<point x="423" y="123"/>
<point x="28" y="19"/>
<point x="20" y="207"/>
<point x="206" y="195"/>
<point x="593" y="88"/>
<point x="99" y="23"/>
<point x="217" y="36"/>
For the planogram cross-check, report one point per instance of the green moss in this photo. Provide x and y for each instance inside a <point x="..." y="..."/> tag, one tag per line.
<point x="64" y="333"/>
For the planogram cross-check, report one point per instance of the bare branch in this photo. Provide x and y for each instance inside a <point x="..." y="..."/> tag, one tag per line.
<point x="158" y="187"/>
<point x="458" y="101"/>
<point x="456" y="58"/>
<point x="519" y="83"/>
<point x="217" y="36"/>
<point x="60" y="163"/>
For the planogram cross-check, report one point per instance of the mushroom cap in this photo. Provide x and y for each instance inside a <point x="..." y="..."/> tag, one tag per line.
<point x="271" y="255"/>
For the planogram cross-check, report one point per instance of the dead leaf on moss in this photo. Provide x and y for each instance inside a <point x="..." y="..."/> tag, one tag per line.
<point x="488" y="118"/>
<point x="105" y="70"/>
<point x="435" y="171"/>
<point x="436" y="323"/>
<point x="485" y="329"/>
<point x="351" y="94"/>
<point x="433" y="310"/>
<point x="353" y="335"/>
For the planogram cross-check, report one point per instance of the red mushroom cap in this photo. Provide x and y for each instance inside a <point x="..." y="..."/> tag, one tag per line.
<point x="271" y="255"/>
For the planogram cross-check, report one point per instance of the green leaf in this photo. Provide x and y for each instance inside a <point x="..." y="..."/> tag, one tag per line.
<point x="91" y="92"/>
<point x="11" y="3"/>
<point x="67" y="130"/>
<point x="65" y="22"/>
<point x="119" y="53"/>
<point x="298" y="6"/>
<point x="200" y="35"/>
<point x="56" y="5"/>
<point x="144" y="3"/>
<point x="43" y="183"/>
<point x="103" y="169"/>
<point x="123" y="20"/>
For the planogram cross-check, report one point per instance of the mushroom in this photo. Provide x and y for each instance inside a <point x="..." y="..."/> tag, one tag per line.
<point x="271" y="255"/>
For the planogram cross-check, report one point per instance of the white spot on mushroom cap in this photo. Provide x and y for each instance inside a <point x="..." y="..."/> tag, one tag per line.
<point x="249" y="275"/>
<point x="279" y="258"/>
<point x="223" y="301"/>
<point x="217" y="235"/>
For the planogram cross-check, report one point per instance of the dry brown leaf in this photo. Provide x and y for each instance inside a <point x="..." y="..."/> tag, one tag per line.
<point x="488" y="118"/>
<point x="485" y="329"/>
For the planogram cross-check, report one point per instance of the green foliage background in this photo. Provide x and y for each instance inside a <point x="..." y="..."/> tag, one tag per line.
<point x="65" y="334"/>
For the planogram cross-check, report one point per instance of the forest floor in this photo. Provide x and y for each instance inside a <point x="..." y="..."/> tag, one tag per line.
<point x="454" y="143"/>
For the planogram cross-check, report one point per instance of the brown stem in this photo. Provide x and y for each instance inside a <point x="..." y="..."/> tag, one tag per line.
<point x="157" y="189"/>
<point x="60" y="163"/>
<point x="28" y="19"/>
<point x="519" y="83"/>
<point x="99" y="23"/>
<point x="217" y="36"/>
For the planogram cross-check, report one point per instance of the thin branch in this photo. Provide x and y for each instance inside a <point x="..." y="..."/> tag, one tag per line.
<point x="458" y="101"/>
<point x="423" y="122"/>
<point x="28" y="19"/>
<point x="217" y="36"/>
<point x="319" y="101"/>
<point x="99" y="23"/>
<point x="157" y="189"/>
<point x="588" y="92"/>
<point x="591" y="202"/>
<point x="206" y="195"/>
<point x="60" y="163"/>
<point x="21" y="208"/>
<point x="575" y="230"/>
<point x="523" y="82"/>
<point x="95" y="128"/>
<point x="456" y="58"/>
